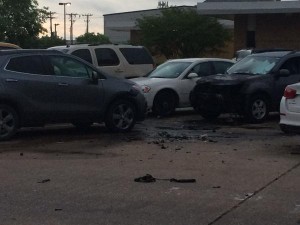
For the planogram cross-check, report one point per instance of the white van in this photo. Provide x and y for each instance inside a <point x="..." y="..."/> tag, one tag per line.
<point x="125" y="61"/>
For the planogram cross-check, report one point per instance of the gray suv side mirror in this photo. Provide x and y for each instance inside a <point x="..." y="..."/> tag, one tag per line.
<point x="95" y="77"/>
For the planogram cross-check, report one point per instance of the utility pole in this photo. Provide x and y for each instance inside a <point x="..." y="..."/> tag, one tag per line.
<point x="64" y="4"/>
<point x="72" y="20"/>
<point x="87" y="21"/>
<point x="55" y="25"/>
<point x="51" y="17"/>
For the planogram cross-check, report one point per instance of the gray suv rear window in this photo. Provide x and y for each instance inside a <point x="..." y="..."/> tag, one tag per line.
<point x="26" y="64"/>
<point x="137" y="55"/>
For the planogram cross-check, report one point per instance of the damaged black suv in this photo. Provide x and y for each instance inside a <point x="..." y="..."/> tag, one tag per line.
<point x="252" y="87"/>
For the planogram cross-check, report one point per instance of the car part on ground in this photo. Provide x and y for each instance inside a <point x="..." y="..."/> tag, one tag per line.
<point x="125" y="61"/>
<point x="168" y="86"/>
<point x="40" y="87"/>
<point x="252" y="87"/>
<point x="290" y="109"/>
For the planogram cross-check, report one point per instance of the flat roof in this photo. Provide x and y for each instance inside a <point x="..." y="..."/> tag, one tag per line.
<point x="149" y="10"/>
<point x="263" y="7"/>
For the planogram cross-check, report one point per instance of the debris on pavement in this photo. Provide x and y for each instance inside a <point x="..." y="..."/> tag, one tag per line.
<point x="44" y="181"/>
<point x="148" y="178"/>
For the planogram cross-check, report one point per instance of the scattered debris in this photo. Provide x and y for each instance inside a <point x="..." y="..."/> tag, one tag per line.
<point x="216" y="187"/>
<point x="249" y="194"/>
<point x="21" y="154"/>
<point x="57" y="209"/>
<point x="148" y="178"/>
<point x="44" y="181"/>
<point x="163" y="146"/>
<point x="205" y="138"/>
<point x="295" y="153"/>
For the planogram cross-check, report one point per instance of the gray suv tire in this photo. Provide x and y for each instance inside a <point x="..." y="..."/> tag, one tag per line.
<point x="9" y="122"/>
<point x="121" y="116"/>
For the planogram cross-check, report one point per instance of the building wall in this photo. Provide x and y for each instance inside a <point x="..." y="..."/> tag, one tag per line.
<point x="278" y="31"/>
<point x="240" y="30"/>
<point x="118" y="26"/>
<point x="271" y="31"/>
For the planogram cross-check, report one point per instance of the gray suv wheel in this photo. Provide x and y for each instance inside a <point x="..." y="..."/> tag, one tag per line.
<point x="8" y="122"/>
<point x="120" y="116"/>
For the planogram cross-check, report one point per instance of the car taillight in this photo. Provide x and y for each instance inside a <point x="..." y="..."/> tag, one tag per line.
<point x="290" y="93"/>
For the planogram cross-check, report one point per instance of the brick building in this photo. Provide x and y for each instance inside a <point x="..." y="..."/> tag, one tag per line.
<point x="259" y="24"/>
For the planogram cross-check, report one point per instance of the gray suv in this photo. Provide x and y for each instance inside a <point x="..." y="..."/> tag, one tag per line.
<point x="38" y="87"/>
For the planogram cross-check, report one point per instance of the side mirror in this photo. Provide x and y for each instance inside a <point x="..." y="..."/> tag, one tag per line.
<point x="192" y="75"/>
<point x="283" y="73"/>
<point x="95" y="77"/>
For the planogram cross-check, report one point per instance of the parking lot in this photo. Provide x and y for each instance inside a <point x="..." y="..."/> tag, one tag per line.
<point x="245" y="174"/>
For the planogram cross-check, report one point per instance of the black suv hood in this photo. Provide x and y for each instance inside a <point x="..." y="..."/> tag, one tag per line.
<point x="226" y="79"/>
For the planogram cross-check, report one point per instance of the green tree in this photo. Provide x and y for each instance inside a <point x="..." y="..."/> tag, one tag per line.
<point x="182" y="33"/>
<point x="92" y="38"/>
<point x="47" y="42"/>
<point x="21" y="21"/>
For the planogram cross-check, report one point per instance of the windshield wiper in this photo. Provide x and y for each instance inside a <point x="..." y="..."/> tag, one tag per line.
<point x="243" y="73"/>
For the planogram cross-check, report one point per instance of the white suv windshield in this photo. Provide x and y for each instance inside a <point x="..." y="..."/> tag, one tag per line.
<point x="169" y="70"/>
<point x="254" y="65"/>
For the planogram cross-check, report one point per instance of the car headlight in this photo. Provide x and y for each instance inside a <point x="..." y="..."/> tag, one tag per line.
<point x="135" y="89"/>
<point x="145" y="88"/>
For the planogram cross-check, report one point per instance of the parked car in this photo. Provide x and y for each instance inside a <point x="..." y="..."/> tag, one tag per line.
<point x="38" y="87"/>
<point x="125" y="61"/>
<point x="252" y="87"/>
<point x="168" y="86"/>
<point x="290" y="109"/>
<point x="5" y="45"/>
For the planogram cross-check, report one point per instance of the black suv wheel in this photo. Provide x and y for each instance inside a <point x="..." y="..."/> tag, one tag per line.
<point x="257" y="109"/>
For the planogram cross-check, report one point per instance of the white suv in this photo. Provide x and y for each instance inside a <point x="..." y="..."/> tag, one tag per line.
<point x="126" y="61"/>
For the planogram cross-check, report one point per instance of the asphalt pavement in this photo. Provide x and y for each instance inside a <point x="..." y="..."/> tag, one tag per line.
<point x="245" y="174"/>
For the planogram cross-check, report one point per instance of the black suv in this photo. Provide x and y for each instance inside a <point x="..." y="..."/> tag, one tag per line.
<point x="46" y="86"/>
<point x="252" y="87"/>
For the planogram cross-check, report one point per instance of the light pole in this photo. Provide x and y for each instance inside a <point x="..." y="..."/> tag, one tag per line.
<point x="64" y="4"/>
<point x="55" y="32"/>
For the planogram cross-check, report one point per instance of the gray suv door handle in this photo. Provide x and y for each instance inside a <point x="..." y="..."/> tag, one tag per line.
<point x="11" y="80"/>
<point x="63" y="84"/>
<point x="119" y="71"/>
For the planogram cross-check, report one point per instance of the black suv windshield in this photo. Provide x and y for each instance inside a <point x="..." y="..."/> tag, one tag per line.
<point x="254" y="65"/>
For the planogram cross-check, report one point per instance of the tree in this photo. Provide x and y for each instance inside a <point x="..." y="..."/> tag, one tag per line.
<point x="182" y="33"/>
<point x="92" y="38"/>
<point x="21" y="21"/>
<point x="46" y="42"/>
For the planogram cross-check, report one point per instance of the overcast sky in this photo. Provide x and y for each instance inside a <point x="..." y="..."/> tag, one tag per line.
<point x="98" y="8"/>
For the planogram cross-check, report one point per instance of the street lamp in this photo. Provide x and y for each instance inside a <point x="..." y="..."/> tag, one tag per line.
<point x="64" y="4"/>
<point x="55" y="32"/>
